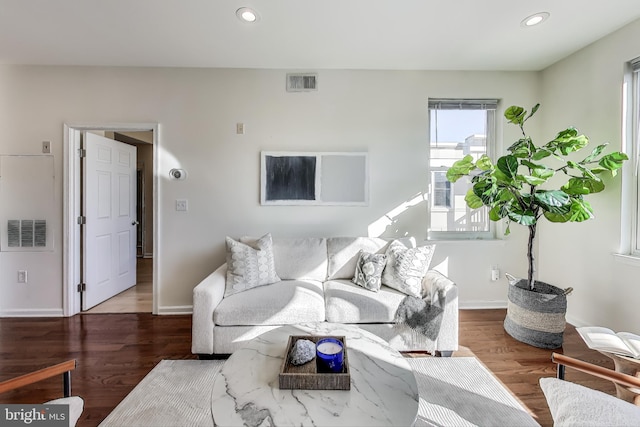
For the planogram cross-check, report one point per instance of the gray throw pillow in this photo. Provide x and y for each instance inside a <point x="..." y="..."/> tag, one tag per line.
<point x="369" y="269"/>
<point x="406" y="267"/>
<point x="249" y="267"/>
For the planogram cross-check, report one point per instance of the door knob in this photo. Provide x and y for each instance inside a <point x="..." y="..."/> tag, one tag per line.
<point x="135" y="223"/>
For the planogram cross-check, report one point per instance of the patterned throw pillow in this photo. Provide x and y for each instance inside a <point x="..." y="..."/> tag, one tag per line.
<point x="249" y="267"/>
<point x="369" y="270"/>
<point x="406" y="267"/>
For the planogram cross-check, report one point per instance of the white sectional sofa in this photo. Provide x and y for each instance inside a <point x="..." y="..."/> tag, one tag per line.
<point x="316" y="286"/>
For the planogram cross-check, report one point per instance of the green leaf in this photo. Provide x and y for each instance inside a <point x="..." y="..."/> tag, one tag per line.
<point x="543" y="173"/>
<point x="581" y="210"/>
<point x="541" y="153"/>
<point x="494" y="213"/>
<point x="580" y="186"/>
<point x="522" y="148"/>
<point x="613" y="161"/>
<point x="557" y="217"/>
<point x="460" y="168"/>
<point x="522" y="217"/>
<point x="586" y="172"/>
<point x="533" y="111"/>
<point x="484" y="163"/>
<point x="508" y="165"/>
<point x="568" y="141"/>
<point x="552" y="200"/>
<point x="515" y="114"/>
<point x="486" y="190"/>
<point x="595" y="153"/>
<point x="473" y="201"/>
<point x="532" y="180"/>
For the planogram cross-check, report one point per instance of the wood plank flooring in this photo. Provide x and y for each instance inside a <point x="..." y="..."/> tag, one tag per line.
<point x="115" y="351"/>
<point x="138" y="299"/>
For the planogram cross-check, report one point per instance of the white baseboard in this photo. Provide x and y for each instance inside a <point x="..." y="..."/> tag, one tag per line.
<point x="481" y="305"/>
<point x="175" y="309"/>
<point x="38" y="312"/>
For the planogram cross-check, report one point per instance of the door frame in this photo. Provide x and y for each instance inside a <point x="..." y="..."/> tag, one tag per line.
<point x="72" y="201"/>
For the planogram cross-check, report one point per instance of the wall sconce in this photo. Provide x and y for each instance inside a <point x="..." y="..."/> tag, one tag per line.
<point x="178" y="174"/>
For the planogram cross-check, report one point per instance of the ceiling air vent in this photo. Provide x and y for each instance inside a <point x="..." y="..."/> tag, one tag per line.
<point x="302" y="82"/>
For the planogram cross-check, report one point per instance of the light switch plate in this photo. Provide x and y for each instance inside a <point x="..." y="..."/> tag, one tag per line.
<point x="46" y="147"/>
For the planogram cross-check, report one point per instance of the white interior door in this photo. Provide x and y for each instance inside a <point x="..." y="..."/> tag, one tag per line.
<point x="109" y="205"/>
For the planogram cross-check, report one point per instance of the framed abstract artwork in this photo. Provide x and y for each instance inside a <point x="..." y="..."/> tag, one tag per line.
<point x="312" y="178"/>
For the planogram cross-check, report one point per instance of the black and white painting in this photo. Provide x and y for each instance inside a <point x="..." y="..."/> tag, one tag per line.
<point x="290" y="178"/>
<point x="314" y="178"/>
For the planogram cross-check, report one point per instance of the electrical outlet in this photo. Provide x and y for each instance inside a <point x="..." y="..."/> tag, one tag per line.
<point x="46" y="147"/>
<point x="22" y="276"/>
<point x="495" y="273"/>
<point x="182" y="205"/>
<point x="240" y="128"/>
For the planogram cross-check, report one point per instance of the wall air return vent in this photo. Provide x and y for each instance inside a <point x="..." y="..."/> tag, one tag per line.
<point x="302" y="82"/>
<point x="27" y="233"/>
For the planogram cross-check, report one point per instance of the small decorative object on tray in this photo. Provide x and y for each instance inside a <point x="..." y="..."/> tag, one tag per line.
<point x="329" y="371"/>
<point x="303" y="351"/>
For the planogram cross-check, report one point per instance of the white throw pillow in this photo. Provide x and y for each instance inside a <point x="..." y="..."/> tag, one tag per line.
<point x="248" y="267"/>
<point x="406" y="267"/>
<point x="369" y="269"/>
<point x="575" y="405"/>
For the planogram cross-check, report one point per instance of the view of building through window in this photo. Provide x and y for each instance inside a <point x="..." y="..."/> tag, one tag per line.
<point x="457" y="129"/>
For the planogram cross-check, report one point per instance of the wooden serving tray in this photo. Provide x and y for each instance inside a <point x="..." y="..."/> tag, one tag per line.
<point x="307" y="377"/>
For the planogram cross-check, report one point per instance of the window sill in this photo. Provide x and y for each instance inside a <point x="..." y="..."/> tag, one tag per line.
<point x="466" y="241"/>
<point x="627" y="259"/>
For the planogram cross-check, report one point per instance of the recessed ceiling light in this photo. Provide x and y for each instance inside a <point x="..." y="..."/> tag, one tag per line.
<point x="246" y="14"/>
<point x="535" y="19"/>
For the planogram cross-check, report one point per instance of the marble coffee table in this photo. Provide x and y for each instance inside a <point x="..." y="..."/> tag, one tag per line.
<point x="383" y="389"/>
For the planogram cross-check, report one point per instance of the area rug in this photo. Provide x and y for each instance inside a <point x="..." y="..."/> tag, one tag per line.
<point x="454" y="391"/>
<point x="460" y="391"/>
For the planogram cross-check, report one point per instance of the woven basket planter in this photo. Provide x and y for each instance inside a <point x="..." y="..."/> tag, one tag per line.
<point x="536" y="317"/>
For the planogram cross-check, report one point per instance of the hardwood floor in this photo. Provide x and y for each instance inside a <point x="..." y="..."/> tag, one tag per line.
<point x="115" y="351"/>
<point x="138" y="299"/>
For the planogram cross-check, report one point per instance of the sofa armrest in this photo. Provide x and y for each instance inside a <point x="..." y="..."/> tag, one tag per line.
<point x="433" y="285"/>
<point x="206" y="297"/>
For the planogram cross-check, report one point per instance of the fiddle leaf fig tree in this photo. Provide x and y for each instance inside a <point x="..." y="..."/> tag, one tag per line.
<point x="515" y="187"/>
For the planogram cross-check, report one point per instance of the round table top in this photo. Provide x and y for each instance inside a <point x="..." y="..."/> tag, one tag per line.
<point x="383" y="388"/>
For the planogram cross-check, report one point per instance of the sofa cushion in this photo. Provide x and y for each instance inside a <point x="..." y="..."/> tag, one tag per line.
<point x="369" y="270"/>
<point x="249" y="266"/>
<point x="298" y="258"/>
<point x="406" y="267"/>
<point x="575" y="405"/>
<point x="343" y="253"/>
<point x="349" y="303"/>
<point x="281" y="303"/>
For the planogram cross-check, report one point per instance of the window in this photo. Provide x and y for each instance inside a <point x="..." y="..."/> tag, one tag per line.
<point x="634" y="153"/>
<point x="457" y="127"/>
<point x="441" y="190"/>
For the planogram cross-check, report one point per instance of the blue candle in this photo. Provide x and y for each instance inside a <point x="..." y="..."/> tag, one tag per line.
<point x="329" y="355"/>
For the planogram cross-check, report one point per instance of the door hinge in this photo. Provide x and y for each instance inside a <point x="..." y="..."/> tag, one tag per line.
<point x="82" y="152"/>
<point x="82" y="220"/>
<point x="82" y="287"/>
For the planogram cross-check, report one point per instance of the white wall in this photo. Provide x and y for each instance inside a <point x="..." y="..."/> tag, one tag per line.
<point x="585" y="91"/>
<point x="382" y="112"/>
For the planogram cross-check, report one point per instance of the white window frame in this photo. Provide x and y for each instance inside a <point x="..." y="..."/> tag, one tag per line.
<point x="632" y="190"/>
<point x="491" y="105"/>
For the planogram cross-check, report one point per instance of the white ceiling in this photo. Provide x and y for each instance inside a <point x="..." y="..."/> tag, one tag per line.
<point x="305" y="34"/>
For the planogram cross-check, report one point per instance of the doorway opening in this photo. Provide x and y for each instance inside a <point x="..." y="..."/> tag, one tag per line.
<point x="143" y="296"/>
